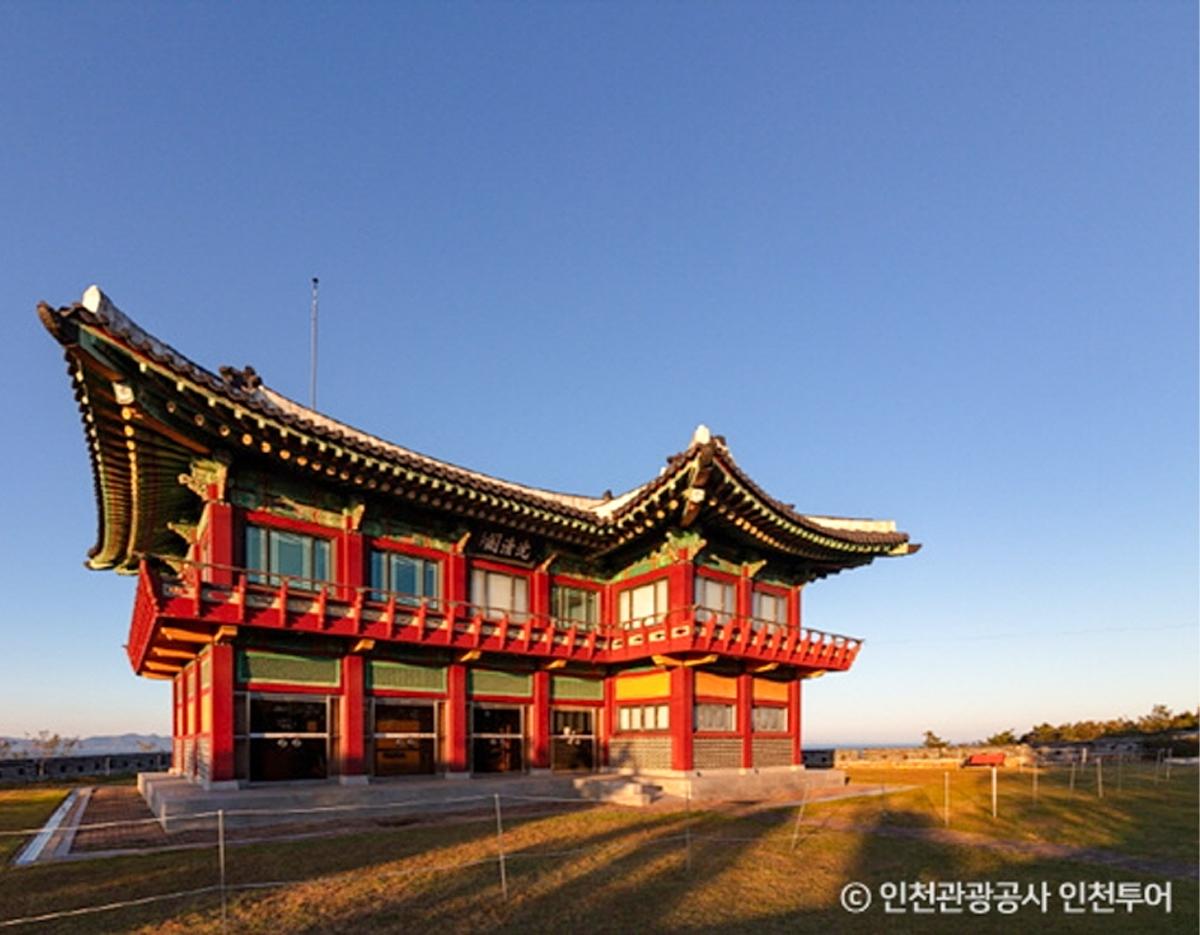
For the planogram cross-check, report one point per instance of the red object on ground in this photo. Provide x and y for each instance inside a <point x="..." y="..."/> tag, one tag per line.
<point x="984" y="759"/>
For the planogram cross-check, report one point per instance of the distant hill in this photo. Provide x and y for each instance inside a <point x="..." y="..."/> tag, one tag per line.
<point x="100" y="745"/>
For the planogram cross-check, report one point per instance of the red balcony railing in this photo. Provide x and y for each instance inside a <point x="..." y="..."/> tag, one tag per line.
<point x="215" y="595"/>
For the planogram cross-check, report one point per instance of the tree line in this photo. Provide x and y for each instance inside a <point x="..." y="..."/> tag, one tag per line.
<point x="1160" y="719"/>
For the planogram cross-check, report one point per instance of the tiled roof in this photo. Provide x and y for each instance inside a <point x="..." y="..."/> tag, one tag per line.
<point x="704" y="476"/>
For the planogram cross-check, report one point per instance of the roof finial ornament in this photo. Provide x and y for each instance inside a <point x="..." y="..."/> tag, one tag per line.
<point x="702" y="436"/>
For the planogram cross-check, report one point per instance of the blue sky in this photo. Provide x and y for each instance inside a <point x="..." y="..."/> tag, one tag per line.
<point x="929" y="261"/>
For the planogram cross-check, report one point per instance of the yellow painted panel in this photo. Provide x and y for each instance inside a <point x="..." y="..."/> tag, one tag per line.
<point x="767" y="690"/>
<point x="716" y="686"/>
<point x="652" y="685"/>
<point x="206" y="713"/>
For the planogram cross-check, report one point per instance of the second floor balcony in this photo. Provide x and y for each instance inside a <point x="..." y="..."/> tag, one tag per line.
<point x="174" y="611"/>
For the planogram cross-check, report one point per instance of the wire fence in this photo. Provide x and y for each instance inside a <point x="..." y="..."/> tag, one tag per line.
<point x="221" y="832"/>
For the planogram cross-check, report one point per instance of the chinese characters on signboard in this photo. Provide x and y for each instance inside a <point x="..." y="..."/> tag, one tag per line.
<point x="504" y="545"/>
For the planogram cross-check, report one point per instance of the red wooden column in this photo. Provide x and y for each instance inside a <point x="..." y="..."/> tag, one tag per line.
<point x="681" y="592"/>
<point x="456" y="584"/>
<point x="176" y="726"/>
<point x="794" y="720"/>
<point x="456" y="673"/>
<point x="350" y="563"/>
<point x="221" y="545"/>
<point x="197" y="717"/>
<point x="745" y="717"/>
<point x="539" y="594"/>
<point x="221" y="700"/>
<point x="456" y="719"/>
<point x="683" y="693"/>
<point x="745" y="595"/>
<point x="539" y="726"/>
<point x="608" y="719"/>
<point x="352" y="716"/>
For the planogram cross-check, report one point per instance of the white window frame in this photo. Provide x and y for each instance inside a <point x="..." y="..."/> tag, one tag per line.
<point x="485" y="596"/>
<point x="729" y="713"/>
<point x="263" y="568"/>
<point x="628" y="600"/>
<point x="754" y="724"/>
<point x="640" y="718"/>
<point x="724" y="607"/>
<point x="383" y="588"/>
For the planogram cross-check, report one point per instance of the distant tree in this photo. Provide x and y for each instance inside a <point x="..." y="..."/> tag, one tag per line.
<point x="1160" y="718"/>
<point x="147" y="746"/>
<point x="45" y="744"/>
<point x="1043" y="733"/>
<point x="933" y="741"/>
<point x="7" y="750"/>
<point x="1003" y="739"/>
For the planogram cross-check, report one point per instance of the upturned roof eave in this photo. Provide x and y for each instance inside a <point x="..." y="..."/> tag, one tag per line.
<point x="640" y="509"/>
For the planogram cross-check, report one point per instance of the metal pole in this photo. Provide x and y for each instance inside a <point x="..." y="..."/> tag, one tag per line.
<point x="946" y="799"/>
<point x="1099" y="778"/>
<point x="1166" y="769"/>
<point x="687" y="833"/>
<point x="1072" y="777"/>
<point x="221" y="861"/>
<point x="993" y="792"/>
<point x="800" y="816"/>
<point x="500" y="848"/>
<point x="313" y="337"/>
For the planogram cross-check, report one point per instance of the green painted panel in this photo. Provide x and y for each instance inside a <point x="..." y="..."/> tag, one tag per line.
<point x="565" y="687"/>
<point x="403" y="676"/>
<point x="491" y="682"/>
<point x="255" y="666"/>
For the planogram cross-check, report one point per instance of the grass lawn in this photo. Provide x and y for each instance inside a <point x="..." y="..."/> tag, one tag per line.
<point x="1136" y="816"/>
<point x="610" y="869"/>
<point x="25" y="807"/>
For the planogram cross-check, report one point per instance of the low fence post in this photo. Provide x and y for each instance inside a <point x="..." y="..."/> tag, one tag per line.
<point x="221" y="862"/>
<point x="1099" y="778"/>
<point x="500" y="848"/>
<point x="800" y="816"/>
<point x="1072" y="777"/>
<point x="687" y="833"/>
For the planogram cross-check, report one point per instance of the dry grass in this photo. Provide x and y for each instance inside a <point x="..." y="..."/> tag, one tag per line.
<point x="24" y="807"/>
<point x="1137" y="816"/>
<point x="609" y="869"/>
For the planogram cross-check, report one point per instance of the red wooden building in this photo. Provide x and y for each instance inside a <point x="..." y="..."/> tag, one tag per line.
<point x="326" y="604"/>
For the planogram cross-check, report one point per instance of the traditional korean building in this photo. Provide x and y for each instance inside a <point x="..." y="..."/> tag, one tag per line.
<point x="326" y="604"/>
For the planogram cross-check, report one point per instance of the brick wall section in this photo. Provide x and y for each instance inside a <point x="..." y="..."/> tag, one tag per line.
<point x="642" y="753"/>
<point x="772" y="752"/>
<point x="204" y="759"/>
<point x="718" y="753"/>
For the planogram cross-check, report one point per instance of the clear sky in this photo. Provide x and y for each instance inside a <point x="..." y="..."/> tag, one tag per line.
<point x="928" y="261"/>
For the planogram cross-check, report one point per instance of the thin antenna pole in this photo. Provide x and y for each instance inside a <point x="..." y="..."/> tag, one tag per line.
<point x="312" y="394"/>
